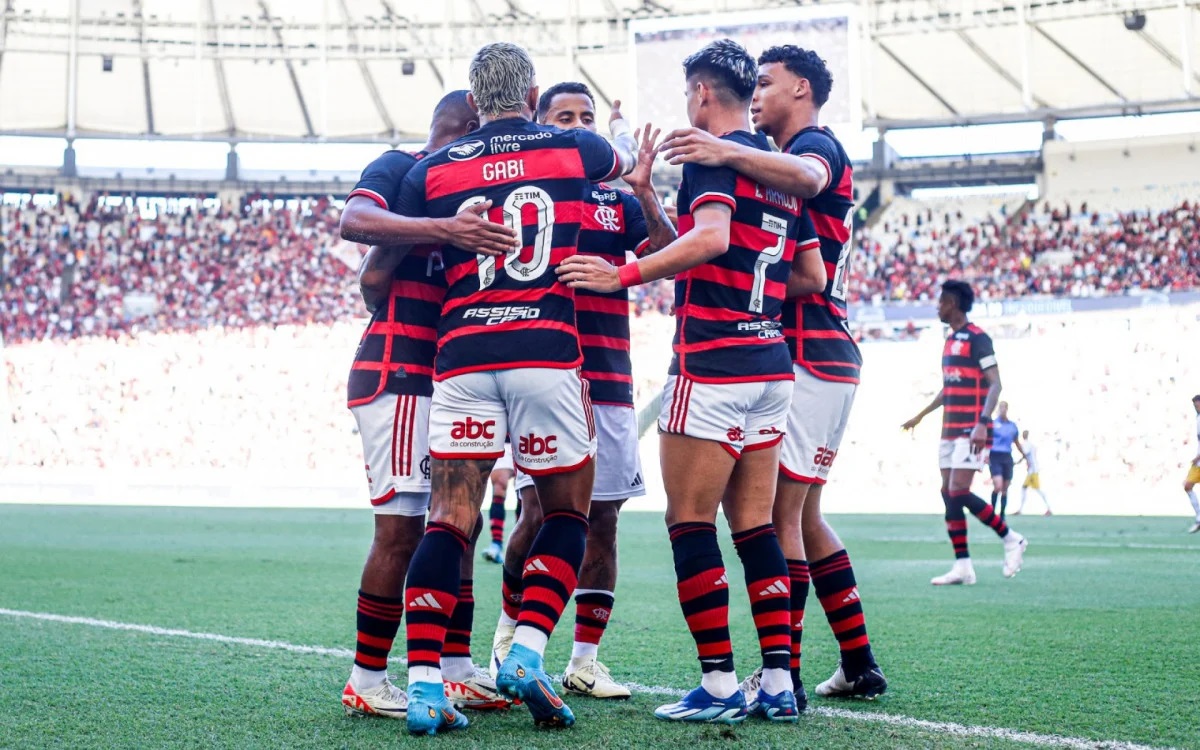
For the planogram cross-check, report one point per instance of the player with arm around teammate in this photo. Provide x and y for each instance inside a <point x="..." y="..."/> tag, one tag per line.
<point x="507" y="364"/>
<point x="970" y="391"/>
<point x="725" y="403"/>
<point x="615" y="223"/>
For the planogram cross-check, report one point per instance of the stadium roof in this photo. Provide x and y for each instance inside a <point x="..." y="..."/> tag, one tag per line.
<point x="371" y="69"/>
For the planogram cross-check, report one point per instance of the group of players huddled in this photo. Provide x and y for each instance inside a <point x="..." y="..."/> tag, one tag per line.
<point x="497" y="281"/>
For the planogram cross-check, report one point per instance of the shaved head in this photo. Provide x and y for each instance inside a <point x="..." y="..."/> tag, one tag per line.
<point x="453" y="118"/>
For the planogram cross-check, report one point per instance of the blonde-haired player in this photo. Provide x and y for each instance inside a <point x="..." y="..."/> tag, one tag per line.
<point x="1193" y="475"/>
<point x="1032" y="480"/>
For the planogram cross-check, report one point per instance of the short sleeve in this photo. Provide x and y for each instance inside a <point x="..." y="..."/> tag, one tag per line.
<point x="411" y="201"/>
<point x="806" y="233"/>
<point x="637" y="234"/>
<point x="982" y="351"/>
<point x="599" y="157"/>
<point x="380" y="181"/>
<point x="818" y="146"/>
<point x="709" y="184"/>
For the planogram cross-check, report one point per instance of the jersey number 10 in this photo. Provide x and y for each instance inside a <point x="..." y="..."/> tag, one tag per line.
<point x="520" y="270"/>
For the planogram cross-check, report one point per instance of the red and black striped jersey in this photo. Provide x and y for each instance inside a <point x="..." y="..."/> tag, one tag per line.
<point x="510" y="312"/>
<point x="397" y="348"/>
<point x="816" y="325"/>
<point x="966" y="354"/>
<point x="727" y="310"/>
<point x="613" y="224"/>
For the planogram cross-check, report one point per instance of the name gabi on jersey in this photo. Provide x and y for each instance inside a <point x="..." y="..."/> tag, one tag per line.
<point x="776" y="197"/>
<point x="496" y="315"/>
<point x="504" y="170"/>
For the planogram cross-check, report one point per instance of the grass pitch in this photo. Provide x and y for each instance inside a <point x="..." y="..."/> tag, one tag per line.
<point x="1097" y="639"/>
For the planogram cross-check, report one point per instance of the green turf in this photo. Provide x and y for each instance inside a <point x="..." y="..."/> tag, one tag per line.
<point x="1098" y="638"/>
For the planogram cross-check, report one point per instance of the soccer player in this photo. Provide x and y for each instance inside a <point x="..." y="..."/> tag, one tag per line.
<point x="389" y="391"/>
<point x="502" y="474"/>
<point x="1033" y="479"/>
<point x="1193" y="475"/>
<point x="725" y="403"/>
<point x="1000" y="460"/>
<point x="614" y="223"/>
<point x="793" y="85"/>
<point x="970" y="390"/>
<point x="507" y="364"/>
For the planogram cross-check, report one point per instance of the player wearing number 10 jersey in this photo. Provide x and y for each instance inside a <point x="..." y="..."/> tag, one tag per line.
<point x="507" y="363"/>
<point x="793" y="84"/>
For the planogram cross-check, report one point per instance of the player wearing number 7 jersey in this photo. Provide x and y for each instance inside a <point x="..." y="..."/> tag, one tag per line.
<point x="507" y="364"/>
<point x="793" y="84"/>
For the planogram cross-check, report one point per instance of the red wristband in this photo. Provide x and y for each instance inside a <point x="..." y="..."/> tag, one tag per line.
<point x="630" y="275"/>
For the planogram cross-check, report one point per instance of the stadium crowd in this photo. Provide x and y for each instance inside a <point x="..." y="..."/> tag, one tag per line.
<point x="105" y="268"/>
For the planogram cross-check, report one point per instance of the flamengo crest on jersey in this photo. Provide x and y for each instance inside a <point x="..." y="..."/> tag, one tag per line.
<point x="816" y="324"/>
<point x="727" y="311"/>
<point x="613" y="223"/>
<point x="397" y="348"/>
<point x="510" y="312"/>
<point x="965" y="355"/>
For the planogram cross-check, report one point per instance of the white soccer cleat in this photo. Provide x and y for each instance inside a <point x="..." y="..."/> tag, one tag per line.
<point x="593" y="679"/>
<point x="869" y="685"/>
<point x="384" y="700"/>
<point x="1014" y="554"/>
<point x="960" y="575"/>
<point x="750" y="687"/>
<point x="501" y="643"/>
<point x="477" y="693"/>
<point x="1195" y="527"/>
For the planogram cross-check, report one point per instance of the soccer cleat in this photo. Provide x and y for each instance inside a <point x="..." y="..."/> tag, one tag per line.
<point x="501" y="643"/>
<point x="701" y="706"/>
<point x="523" y="676"/>
<point x="429" y="711"/>
<point x="477" y="692"/>
<point x="384" y="700"/>
<point x="778" y="708"/>
<point x="1014" y="554"/>
<point x="1195" y="527"/>
<point x="494" y="553"/>
<point x="751" y="686"/>
<point x="593" y="678"/>
<point x="963" y="575"/>
<point x="869" y="685"/>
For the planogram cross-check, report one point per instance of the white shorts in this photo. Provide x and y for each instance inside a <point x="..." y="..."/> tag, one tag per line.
<point x="618" y="461"/>
<point x="957" y="454"/>
<point x="815" y="426"/>
<point x="739" y="416"/>
<point x="505" y="462"/>
<point x="395" y="435"/>
<point x="547" y="412"/>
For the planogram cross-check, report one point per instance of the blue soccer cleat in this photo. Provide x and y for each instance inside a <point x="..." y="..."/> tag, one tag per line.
<point x="429" y="711"/>
<point x="522" y="676"/>
<point x="780" y="708"/>
<point x="701" y="706"/>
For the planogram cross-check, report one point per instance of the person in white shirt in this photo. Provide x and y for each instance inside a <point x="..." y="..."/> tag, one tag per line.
<point x="1193" y="475"/>
<point x="1032" y="480"/>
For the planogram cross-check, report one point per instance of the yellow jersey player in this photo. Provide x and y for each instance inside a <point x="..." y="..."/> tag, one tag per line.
<point x="1193" y="475"/>
<point x="1032" y="479"/>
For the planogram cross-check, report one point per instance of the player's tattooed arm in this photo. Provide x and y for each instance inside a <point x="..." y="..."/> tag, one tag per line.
<point x="623" y="140"/>
<point x="375" y="274"/>
<point x="659" y="227"/>
<point x="457" y="491"/>
<point x="933" y="406"/>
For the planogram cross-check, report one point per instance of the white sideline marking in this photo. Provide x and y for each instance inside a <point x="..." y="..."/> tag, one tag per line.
<point x="939" y="727"/>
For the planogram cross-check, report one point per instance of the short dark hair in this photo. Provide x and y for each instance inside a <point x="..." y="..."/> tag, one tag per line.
<point x="566" y="87"/>
<point x="962" y="292"/>
<point x="1196" y="397"/>
<point x="803" y="63"/>
<point x="728" y="65"/>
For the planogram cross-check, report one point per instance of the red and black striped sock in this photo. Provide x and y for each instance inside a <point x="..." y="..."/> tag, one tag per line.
<point x="551" y="573"/>
<point x="833" y="581"/>
<point x="983" y="512"/>
<point x="798" y="576"/>
<point x="767" y="582"/>
<point x="378" y="622"/>
<point x="511" y="591"/>
<point x="496" y="517"/>
<point x="592" y="610"/>
<point x="703" y="592"/>
<point x="430" y="597"/>
<point x="956" y="526"/>
<point x="458" y="633"/>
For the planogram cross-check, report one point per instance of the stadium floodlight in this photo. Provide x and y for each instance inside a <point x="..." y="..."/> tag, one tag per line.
<point x="1135" y="20"/>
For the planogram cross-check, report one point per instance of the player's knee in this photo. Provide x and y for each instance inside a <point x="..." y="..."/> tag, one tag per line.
<point x="602" y="522"/>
